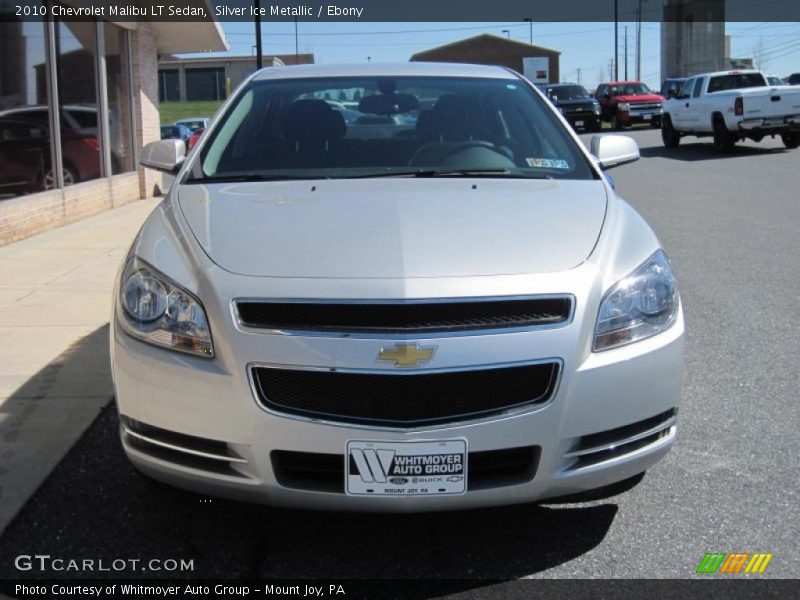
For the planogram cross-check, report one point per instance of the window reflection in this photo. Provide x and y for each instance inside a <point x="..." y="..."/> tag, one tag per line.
<point x="119" y="109"/>
<point x="25" y="161"/>
<point x="77" y="93"/>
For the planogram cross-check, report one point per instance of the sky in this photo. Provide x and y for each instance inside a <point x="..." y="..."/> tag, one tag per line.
<point x="586" y="48"/>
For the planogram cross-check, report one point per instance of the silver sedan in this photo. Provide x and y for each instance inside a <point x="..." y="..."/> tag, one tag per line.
<point x="434" y="301"/>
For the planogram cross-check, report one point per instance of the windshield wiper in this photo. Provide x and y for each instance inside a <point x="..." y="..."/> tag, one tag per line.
<point x="249" y="177"/>
<point x="456" y="173"/>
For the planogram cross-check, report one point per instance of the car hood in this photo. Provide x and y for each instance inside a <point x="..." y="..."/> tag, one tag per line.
<point x="633" y="98"/>
<point x="395" y="228"/>
<point x="576" y="103"/>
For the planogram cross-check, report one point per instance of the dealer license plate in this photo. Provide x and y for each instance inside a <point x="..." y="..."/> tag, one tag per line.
<point x="578" y="123"/>
<point x="647" y="117"/>
<point x="424" y="468"/>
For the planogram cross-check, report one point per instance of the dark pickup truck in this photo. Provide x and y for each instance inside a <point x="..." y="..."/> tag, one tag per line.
<point x="574" y="102"/>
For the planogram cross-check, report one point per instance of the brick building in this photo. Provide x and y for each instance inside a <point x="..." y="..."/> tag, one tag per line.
<point x="78" y="100"/>
<point x="487" y="49"/>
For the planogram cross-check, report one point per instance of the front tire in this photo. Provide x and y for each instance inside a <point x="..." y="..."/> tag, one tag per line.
<point x="616" y="124"/>
<point x="791" y="139"/>
<point x="669" y="135"/>
<point x="724" y="141"/>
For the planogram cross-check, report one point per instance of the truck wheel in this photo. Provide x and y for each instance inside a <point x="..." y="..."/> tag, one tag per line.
<point x="723" y="140"/>
<point x="791" y="139"/>
<point x="669" y="136"/>
<point x="616" y="124"/>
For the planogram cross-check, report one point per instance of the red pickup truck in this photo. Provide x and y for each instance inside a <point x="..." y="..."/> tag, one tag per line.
<point x="624" y="103"/>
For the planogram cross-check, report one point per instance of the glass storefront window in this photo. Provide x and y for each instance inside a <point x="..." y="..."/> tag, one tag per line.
<point x="120" y="117"/>
<point x="25" y="153"/>
<point x="77" y="93"/>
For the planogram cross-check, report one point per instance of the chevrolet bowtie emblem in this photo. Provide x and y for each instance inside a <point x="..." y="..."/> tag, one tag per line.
<point x="406" y="355"/>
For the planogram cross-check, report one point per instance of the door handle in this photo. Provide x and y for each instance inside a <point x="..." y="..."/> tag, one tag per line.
<point x="687" y="105"/>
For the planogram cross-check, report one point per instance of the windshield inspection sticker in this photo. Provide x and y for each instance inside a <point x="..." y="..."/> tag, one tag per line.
<point x="547" y="163"/>
<point x="426" y="468"/>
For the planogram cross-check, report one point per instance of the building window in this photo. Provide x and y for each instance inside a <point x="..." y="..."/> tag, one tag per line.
<point x="120" y="115"/>
<point x="25" y="152"/>
<point x="75" y="51"/>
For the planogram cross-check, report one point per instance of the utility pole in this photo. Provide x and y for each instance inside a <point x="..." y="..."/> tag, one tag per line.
<point x="626" y="53"/>
<point x="296" y="43"/>
<point x="579" y="76"/>
<point x="611" y="69"/>
<point x="616" y="40"/>
<point x="530" y="23"/>
<point x="259" y="49"/>
<point x="639" y="42"/>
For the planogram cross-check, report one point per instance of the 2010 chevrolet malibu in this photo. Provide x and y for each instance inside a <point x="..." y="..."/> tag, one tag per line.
<point x="398" y="288"/>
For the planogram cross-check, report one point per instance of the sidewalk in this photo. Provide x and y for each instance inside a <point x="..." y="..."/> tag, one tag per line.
<point x="55" y="302"/>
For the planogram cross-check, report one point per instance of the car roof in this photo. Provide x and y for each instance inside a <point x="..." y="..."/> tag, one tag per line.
<point x="409" y="69"/>
<point x="622" y="83"/>
<point x="731" y="72"/>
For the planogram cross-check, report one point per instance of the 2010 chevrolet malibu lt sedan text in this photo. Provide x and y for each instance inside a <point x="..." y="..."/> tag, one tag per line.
<point x="397" y="288"/>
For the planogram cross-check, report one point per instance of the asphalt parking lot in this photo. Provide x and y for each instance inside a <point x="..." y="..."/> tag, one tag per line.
<point x="730" y="225"/>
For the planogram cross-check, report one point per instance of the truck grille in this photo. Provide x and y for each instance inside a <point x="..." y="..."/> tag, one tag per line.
<point x="406" y="317"/>
<point x="645" y="107"/>
<point x="407" y="399"/>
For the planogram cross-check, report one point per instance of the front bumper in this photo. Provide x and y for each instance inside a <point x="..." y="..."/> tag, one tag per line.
<point x="636" y="115"/>
<point x="583" y="119"/>
<point x="195" y="423"/>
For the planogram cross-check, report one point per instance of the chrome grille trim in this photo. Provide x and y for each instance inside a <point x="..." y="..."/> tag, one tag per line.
<point x="392" y="335"/>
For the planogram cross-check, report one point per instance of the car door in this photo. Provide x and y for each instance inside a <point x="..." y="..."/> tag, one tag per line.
<point x="601" y="95"/>
<point x="681" y="105"/>
<point x="24" y="153"/>
<point x="695" y="108"/>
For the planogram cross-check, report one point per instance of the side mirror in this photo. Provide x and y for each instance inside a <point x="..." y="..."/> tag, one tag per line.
<point x="164" y="155"/>
<point x="607" y="96"/>
<point x="614" y="150"/>
<point x="671" y="94"/>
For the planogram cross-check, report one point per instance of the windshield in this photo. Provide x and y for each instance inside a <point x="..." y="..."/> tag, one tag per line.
<point x="629" y="89"/>
<point x="383" y="127"/>
<point x="567" y="92"/>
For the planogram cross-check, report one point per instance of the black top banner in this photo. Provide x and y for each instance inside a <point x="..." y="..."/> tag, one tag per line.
<point x="538" y="11"/>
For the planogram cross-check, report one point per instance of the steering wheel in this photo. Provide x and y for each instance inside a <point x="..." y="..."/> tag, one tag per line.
<point x="438" y="153"/>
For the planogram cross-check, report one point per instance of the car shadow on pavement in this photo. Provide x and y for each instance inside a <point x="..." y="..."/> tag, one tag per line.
<point x="96" y="505"/>
<point x="702" y="150"/>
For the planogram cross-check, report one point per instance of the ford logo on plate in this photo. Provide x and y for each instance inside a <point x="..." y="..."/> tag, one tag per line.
<point x="398" y="480"/>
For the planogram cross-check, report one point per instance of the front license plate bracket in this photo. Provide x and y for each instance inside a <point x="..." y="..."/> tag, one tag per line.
<point x="406" y="468"/>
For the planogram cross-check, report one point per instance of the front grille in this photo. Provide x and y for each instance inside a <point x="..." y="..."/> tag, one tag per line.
<point x="325" y="472"/>
<point x="404" y="399"/>
<point x="645" y="107"/>
<point x="410" y="317"/>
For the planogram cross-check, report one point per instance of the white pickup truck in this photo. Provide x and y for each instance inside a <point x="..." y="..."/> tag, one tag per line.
<point x="732" y="106"/>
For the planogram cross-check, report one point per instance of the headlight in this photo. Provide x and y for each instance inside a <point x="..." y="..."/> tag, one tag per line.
<point x="623" y="106"/>
<point x="641" y="305"/>
<point x="156" y="310"/>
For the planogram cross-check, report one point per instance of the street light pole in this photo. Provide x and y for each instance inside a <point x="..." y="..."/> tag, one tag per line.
<point x="259" y="50"/>
<point x="507" y="32"/>
<point x="530" y="23"/>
